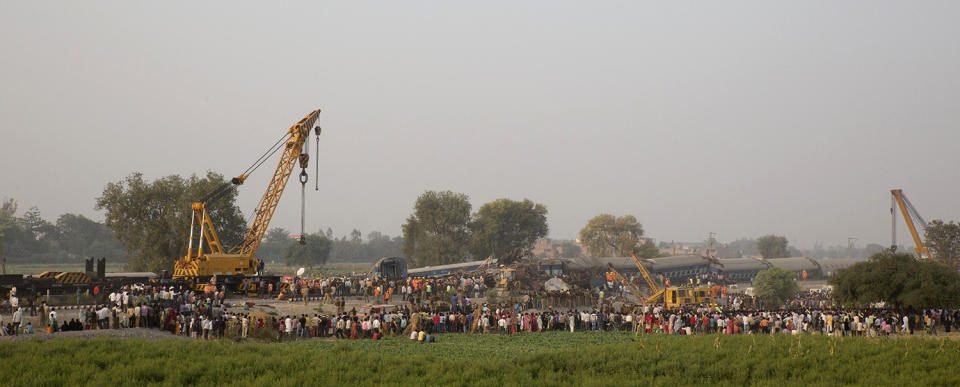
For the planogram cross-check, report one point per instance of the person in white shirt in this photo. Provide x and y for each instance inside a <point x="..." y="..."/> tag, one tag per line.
<point x="288" y="326"/>
<point x="207" y="327"/>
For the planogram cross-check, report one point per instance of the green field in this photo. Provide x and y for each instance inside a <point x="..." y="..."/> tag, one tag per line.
<point x="553" y="358"/>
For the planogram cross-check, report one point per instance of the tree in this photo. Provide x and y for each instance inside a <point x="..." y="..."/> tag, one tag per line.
<point x="504" y="225"/>
<point x="33" y="222"/>
<point x="775" y="285"/>
<point x="647" y="249"/>
<point x="772" y="246"/>
<point x="275" y="244"/>
<point x="870" y="249"/>
<point x="943" y="241"/>
<point x="743" y="247"/>
<point x="80" y="237"/>
<point x="900" y="280"/>
<point x="314" y="251"/>
<point x="569" y="249"/>
<point x="152" y="219"/>
<point x="438" y="231"/>
<point x="29" y="238"/>
<point x="8" y="212"/>
<point x="377" y="245"/>
<point x="19" y="244"/>
<point x="606" y="236"/>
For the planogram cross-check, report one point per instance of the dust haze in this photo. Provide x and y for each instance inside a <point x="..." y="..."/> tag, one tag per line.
<point x="739" y="118"/>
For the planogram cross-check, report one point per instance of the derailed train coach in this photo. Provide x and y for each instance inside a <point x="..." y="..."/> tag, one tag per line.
<point x="65" y="283"/>
<point x="681" y="269"/>
<point x="451" y="269"/>
<point x="397" y="269"/>
<point x="390" y="269"/>
<point x="69" y="282"/>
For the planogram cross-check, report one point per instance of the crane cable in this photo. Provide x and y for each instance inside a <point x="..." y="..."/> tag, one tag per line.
<point x="266" y="155"/>
<point x="263" y="158"/>
<point x="317" y="159"/>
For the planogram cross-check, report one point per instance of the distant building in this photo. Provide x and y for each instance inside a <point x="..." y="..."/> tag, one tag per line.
<point x="545" y="248"/>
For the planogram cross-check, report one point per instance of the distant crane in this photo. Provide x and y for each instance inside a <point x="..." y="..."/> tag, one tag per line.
<point x="912" y="218"/>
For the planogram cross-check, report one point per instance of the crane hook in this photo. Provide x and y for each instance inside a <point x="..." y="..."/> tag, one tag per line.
<point x="303" y="176"/>
<point x="316" y="131"/>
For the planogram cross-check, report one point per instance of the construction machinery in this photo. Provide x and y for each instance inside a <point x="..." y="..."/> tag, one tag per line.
<point x="671" y="297"/>
<point x="912" y="218"/>
<point x="656" y="291"/>
<point x="633" y="288"/>
<point x="207" y="261"/>
<point x="507" y="279"/>
<point x="674" y="297"/>
<point x="654" y="288"/>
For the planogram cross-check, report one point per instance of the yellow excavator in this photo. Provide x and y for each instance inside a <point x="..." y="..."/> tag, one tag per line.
<point x="207" y="262"/>
<point x="910" y="216"/>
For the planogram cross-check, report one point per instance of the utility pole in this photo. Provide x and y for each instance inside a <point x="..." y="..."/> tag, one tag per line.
<point x="849" y="246"/>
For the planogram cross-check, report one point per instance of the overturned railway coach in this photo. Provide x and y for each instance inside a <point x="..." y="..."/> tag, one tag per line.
<point x="390" y="269"/>
<point x="445" y="270"/>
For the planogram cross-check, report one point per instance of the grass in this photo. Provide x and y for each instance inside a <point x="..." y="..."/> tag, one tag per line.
<point x="37" y="268"/>
<point x="553" y="358"/>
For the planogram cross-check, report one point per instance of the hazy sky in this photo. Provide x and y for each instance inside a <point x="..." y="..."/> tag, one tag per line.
<point x="740" y="118"/>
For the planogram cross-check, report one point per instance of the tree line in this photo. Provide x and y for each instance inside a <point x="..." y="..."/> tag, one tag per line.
<point x="30" y="238"/>
<point x="899" y="280"/>
<point x="942" y="239"/>
<point x="442" y="230"/>
<point x="152" y="221"/>
<point x="279" y="246"/>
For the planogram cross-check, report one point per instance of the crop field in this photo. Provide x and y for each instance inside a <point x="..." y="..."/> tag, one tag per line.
<point x="553" y="358"/>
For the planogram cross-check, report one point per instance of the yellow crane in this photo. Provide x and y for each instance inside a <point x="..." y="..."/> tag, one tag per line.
<point x="910" y="215"/>
<point x="654" y="288"/>
<point x="672" y="296"/>
<point x="206" y="257"/>
<point x="633" y="288"/>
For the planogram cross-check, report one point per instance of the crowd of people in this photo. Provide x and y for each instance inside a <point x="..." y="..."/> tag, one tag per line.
<point x="449" y="305"/>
